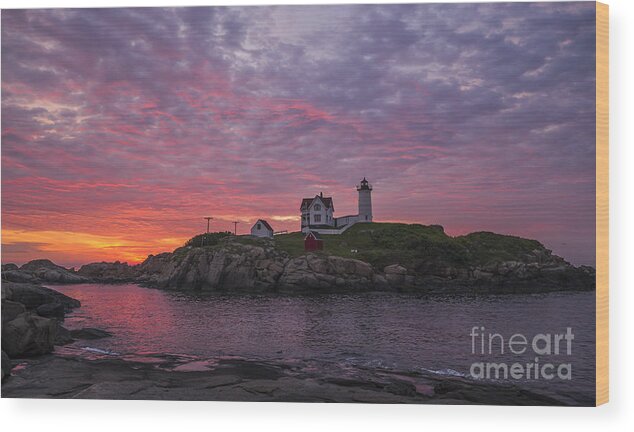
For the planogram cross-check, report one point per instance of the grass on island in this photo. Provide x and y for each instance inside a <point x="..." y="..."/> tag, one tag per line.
<point x="412" y="245"/>
<point x="383" y="244"/>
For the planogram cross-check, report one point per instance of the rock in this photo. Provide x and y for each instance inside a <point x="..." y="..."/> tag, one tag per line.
<point x="19" y="276"/>
<point x="6" y="365"/>
<point x="234" y="266"/>
<point x="89" y="333"/>
<point x="395" y="269"/>
<point x="396" y="275"/>
<point x="43" y="270"/>
<point x="326" y="273"/>
<point x="62" y="276"/>
<point x="6" y="291"/>
<point x="401" y="388"/>
<point x="63" y="336"/>
<point x="109" y="272"/>
<point x="51" y="310"/>
<point x="9" y="266"/>
<point x="39" y="264"/>
<point x="11" y="310"/>
<point x="481" y="274"/>
<point x="380" y="282"/>
<point x="27" y="327"/>
<point x="32" y="296"/>
<point x="28" y="334"/>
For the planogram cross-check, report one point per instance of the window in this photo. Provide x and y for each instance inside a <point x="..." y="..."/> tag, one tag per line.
<point x="317" y="218"/>
<point x="317" y="207"/>
<point x="259" y="227"/>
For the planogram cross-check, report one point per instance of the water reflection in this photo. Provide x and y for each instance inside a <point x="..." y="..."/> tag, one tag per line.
<point x="372" y="329"/>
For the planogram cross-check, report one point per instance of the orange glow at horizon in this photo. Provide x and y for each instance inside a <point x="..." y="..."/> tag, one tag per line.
<point x="62" y="246"/>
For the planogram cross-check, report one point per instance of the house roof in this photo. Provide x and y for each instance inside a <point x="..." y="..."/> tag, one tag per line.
<point x="306" y="202"/>
<point x="265" y="223"/>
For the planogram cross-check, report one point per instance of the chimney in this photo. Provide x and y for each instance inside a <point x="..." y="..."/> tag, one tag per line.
<point x="321" y="194"/>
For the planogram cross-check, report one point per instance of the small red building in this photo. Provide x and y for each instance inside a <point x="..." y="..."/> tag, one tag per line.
<point x="313" y="242"/>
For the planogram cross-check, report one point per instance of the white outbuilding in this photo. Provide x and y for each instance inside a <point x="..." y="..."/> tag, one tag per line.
<point x="261" y="228"/>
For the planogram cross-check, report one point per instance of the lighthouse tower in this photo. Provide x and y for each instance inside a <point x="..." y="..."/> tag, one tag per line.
<point x="365" y="201"/>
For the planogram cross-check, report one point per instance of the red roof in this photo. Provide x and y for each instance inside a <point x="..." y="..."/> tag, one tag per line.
<point x="313" y="234"/>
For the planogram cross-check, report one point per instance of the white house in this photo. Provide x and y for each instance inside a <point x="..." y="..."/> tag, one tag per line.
<point x="261" y="228"/>
<point x="317" y="213"/>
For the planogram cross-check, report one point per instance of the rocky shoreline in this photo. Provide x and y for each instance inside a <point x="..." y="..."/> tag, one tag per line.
<point x="162" y="378"/>
<point x="234" y="266"/>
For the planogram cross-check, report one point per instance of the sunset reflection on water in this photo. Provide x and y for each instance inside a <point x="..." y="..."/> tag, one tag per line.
<point x="368" y="330"/>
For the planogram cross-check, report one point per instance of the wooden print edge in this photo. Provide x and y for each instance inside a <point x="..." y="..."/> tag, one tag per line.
<point x="602" y="392"/>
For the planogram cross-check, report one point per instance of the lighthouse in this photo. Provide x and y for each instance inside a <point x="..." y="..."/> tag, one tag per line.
<point x="365" y="201"/>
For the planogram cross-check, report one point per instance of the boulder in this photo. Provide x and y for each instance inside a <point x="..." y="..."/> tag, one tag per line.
<point x="395" y="269"/>
<point x="11" y="310"/>
<point x="89" y="333"/>
<point x="32" y="296"/>
<point x="19" y="276"/>
<point x="51" y="310"/>
<point x="396" y="275"/>
<point x="63" y="336"/>
<point x="28" y="334"/>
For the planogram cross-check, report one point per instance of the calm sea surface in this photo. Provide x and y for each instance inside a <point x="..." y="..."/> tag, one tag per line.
<point x="370" y="330"/>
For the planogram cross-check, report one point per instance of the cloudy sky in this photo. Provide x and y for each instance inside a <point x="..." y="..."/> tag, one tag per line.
<point x="123" y="128"/>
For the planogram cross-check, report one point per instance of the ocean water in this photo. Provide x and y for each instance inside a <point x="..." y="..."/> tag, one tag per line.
<point x="403" y="332"/>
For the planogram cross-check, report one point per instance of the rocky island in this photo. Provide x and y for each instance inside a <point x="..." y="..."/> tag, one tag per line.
<point x="374" y="256"/>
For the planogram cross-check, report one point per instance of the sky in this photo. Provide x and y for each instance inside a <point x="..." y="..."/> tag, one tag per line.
<point x="123" y="128"/>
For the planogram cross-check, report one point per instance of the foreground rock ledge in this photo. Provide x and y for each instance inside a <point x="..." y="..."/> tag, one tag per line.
<point x="238" y="380"/>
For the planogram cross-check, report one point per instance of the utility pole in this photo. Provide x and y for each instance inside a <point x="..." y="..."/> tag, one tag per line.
<point x="235" y="227"/>
<point x="208" y="219"/>
<point x="202" y="240"/>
